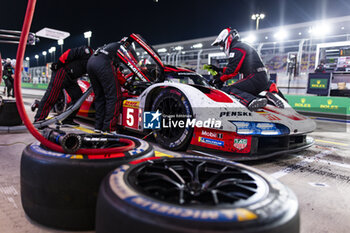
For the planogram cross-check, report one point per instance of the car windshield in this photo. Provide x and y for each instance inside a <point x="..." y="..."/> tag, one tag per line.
<point x="191" y="78"/>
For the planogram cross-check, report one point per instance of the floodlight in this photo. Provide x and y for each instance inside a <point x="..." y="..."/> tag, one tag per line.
<point x="281" y="34"/>
<point x="162" y="50"/>
<point x="87" y="34"/>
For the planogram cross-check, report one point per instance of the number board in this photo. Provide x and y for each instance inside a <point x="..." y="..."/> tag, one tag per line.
<point x="131" y="114"/>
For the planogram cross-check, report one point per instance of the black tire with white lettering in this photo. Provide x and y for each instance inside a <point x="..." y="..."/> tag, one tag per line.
<point x="171" y="102"/>
<point x="61" y="103"/>
<point x="9" y="115"/>
<point x="194" y="194"/>
<point x="60" y="190"/>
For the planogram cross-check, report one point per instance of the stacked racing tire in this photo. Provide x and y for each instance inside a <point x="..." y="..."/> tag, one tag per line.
<point x="8" y="113"/>
<point x="194" y="194"/>
<point x="60" y="190"/>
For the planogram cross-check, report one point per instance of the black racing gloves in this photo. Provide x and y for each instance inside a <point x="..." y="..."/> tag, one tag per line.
<point x="216" y="82"/>
<point x="56" y="65"/>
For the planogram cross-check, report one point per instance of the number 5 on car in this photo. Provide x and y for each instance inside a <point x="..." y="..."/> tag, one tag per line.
<point x="130" y="114"/>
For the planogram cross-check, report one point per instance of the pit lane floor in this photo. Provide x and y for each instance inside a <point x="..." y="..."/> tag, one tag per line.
<point x="320" y="177"/>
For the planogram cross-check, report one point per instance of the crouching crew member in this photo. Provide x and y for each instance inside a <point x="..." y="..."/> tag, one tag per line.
<point x="70" y="66"/>
<point x="244" y="59"/>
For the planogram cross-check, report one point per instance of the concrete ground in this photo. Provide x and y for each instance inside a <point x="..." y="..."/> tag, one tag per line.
<point x="319" y="176"/>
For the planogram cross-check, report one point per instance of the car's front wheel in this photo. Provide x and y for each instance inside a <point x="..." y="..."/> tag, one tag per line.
<point x="175" y="108"/>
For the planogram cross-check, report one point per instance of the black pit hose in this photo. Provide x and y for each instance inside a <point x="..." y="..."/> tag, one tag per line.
<point x="42" y="124"/>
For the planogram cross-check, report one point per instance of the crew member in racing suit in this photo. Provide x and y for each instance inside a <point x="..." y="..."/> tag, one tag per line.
<point x="8" y="77"/>
<point x="70" y="66"/>
<point x="243" y="59"/>
<point x="106" y="78"/>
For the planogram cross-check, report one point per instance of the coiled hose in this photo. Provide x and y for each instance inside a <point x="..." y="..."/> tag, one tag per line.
<point x="19" y="100"/>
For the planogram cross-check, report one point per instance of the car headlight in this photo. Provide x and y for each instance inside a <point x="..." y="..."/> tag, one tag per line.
<point x="259" y="128"/>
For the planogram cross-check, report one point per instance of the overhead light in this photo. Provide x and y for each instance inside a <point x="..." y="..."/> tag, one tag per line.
<point x="162" y="50"/>
<point x="342" y="28"/>
<point x="88" y="34"/>
<point x="281" y="35"/>
<point x="266" y="37"/>
<point x="299" y="33"/>
<point x="332" y="50"/>
<point x="52" y="49"/>
<point x="258" y="16"/>
<point x="197" y="46"/>
<point x="179" y="48"/>
<point x="27" y="58"/>
<point x="44" y="53"/>
<point x="36" y="56"/>
<point x="249" y="39"/>
<point x="320" y="30"/>
<point x="60" y="42"/>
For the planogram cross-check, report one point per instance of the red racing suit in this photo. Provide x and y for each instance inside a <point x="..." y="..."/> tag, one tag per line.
<point x="71" y="66"/>
<point x="245" y="60"/>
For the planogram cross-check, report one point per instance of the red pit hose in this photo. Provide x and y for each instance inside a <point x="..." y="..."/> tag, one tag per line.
<point x="20" y="105"/>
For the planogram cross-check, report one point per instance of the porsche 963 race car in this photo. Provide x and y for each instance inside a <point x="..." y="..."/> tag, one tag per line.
<point x="184" y="112"/>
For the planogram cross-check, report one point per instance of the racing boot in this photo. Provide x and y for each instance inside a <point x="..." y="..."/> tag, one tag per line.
<point x="70" y="122"/>
<point x="34" y="105"/>
<point x="255" y="104"/>
<point x="277" y="102"/>
<point x="97" y="131"/>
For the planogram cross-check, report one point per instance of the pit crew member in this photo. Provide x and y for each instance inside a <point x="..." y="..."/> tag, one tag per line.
<point x="8" y="77"/>
<point x="106" y="79"/>
<point x="70" y="66"/>
<point x="244" y="59"/>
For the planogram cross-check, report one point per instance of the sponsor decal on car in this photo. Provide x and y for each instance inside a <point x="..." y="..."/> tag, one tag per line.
<point x="131" y="104"/>
<point x="212" y="134"/>
<point x="90" y="98"/>
<point x="239" y="113"/>
<point x="269" y="116"/>
<point x="240" y="144"/>
<point x="211" y="141"/>
<point x="228" y="139"/>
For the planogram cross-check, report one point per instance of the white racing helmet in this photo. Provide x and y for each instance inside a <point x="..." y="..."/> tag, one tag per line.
<point x="13" y="62"/>
<point x="225" y="39"/>
<point x="8" y="60"/>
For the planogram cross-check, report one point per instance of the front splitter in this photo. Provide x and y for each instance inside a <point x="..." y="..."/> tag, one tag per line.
<point x="240" y="157"/>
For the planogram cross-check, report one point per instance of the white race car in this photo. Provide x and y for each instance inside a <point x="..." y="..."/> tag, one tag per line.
<point x="184" y="112"/>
